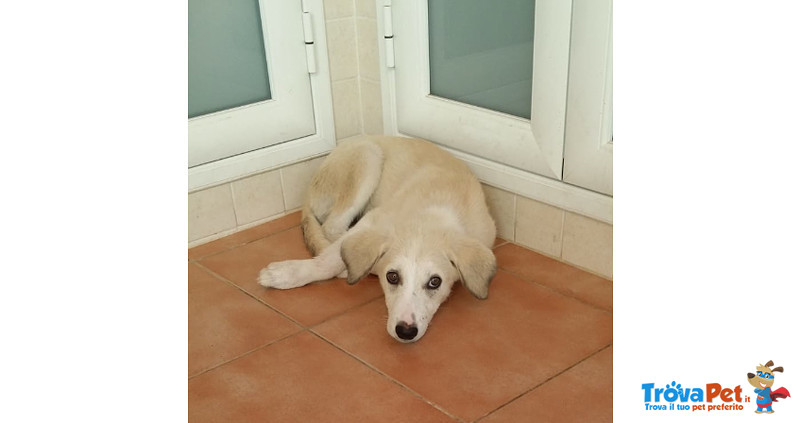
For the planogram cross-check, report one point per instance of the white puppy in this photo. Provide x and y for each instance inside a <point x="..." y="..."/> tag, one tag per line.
<point x="404" y="210"/>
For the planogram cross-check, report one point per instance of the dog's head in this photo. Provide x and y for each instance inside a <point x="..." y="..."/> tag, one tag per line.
<point x="764" y="376"/>
<point x="417" y="273"/>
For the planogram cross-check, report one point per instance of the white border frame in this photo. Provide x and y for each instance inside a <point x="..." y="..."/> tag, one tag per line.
<point x="280" y="155"/>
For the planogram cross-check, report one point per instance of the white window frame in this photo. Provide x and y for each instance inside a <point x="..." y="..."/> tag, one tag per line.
<point x="588" y="146"/>
<point x="270" y="129"/>
<point x="536" y="147"/>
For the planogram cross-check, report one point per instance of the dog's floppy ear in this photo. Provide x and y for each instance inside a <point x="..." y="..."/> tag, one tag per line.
<point x="475" y="263"/>
<point x="360" y="251"/>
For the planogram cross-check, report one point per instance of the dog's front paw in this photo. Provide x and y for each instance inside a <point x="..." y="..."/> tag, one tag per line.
<point x="280" y="275"/>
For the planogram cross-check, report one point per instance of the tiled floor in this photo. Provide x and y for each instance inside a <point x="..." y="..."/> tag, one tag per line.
<point x="539" y="349"/>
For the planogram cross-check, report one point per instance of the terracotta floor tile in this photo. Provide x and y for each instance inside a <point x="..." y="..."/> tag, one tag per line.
<point x="224" y="322"/>
<point x="245" y="236"/>
<point x="581" y="394"/>
<point x="302" y="379"/>
<point x="479" y="355"/>
<point x="562" y="277"/>
<point x="308" y="305"/>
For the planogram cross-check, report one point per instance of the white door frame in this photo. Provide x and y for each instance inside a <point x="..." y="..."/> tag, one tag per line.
<point x="322" y="138"/>
<point x="510" y="178"/>
<point x="588" y="147"/>
<point x="534" y="145"/>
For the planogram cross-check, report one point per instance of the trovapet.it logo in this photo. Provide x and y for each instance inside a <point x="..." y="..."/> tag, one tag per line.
<point x="711" y="397"/>
<point x="715" y="397"/>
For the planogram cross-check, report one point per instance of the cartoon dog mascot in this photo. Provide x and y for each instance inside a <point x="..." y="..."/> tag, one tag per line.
<point x="763" y="380"/>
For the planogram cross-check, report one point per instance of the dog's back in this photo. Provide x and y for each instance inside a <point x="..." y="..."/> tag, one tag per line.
<point x="400" y="175"/>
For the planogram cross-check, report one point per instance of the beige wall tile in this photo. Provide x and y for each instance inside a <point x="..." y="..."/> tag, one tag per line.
<point x="538" y="226"/>
<point x="342" y="44"/>
<point x="368" y="48"/>
<point x="296" y="179"/>
<point x="588" y="243"/>
<point x="372" y="107"/>
<point x="346" y="108"/>
<point x="257" y="197"/>
<point x="365" y="8"/>
<point x="501" y="206"/>
<point x="210" y="212"/>
<point x="335" y="9"/>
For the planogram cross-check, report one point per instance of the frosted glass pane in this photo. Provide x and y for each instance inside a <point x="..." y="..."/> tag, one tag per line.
<point x="227" y="59"/>
<point x="481" y="53"/>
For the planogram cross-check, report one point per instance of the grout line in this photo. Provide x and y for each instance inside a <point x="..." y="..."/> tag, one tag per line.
<point x="540" y="252"/>
<point x="366" y="18"/>
<point x="561" y="260"/>
<point x="233" y="204"/>
<point x="358" y="74"/>
<point x="246" y="242"/>
<point x="391" y="379"/>
<point x="340" y="18"/>
<point x="273" y="342"/>
<point x="505" y="241"/>
<point x="544" y="382"/>
<point x="347" y="79"/>
<point x="587" y="270"/>
<point x="304" y="327"/>
<point x="249" y="294"/>
<point x="559" y="292"/>
<point x="514" y="226"/>
<point x="269" y="219"/>
<point x="211" y="238"/>
<point x="331" y="317"/>
<point x="283" y="188"/>
<point x="239" y="228"/>
<point x="374" y="81"/>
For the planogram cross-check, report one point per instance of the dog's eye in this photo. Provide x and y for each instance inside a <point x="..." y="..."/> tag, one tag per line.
<point x="434" y="283"/>
<point x="392" y="277"/>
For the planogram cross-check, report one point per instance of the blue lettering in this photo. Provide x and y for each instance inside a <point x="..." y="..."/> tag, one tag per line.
<point x="647" y="387"/>
<point x="653" y="394"/>
<point x="695" y="395"/>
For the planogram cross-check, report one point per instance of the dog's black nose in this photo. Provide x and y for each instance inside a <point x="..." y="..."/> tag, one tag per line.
<point x="406" y="331"/>
<point x="750" y="375"/>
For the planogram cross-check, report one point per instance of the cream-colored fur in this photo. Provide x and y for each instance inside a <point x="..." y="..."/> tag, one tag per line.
<point x="420" y="215"/>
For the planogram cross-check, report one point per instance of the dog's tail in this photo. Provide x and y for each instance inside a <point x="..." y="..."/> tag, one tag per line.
<point x="312" y="231"/>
